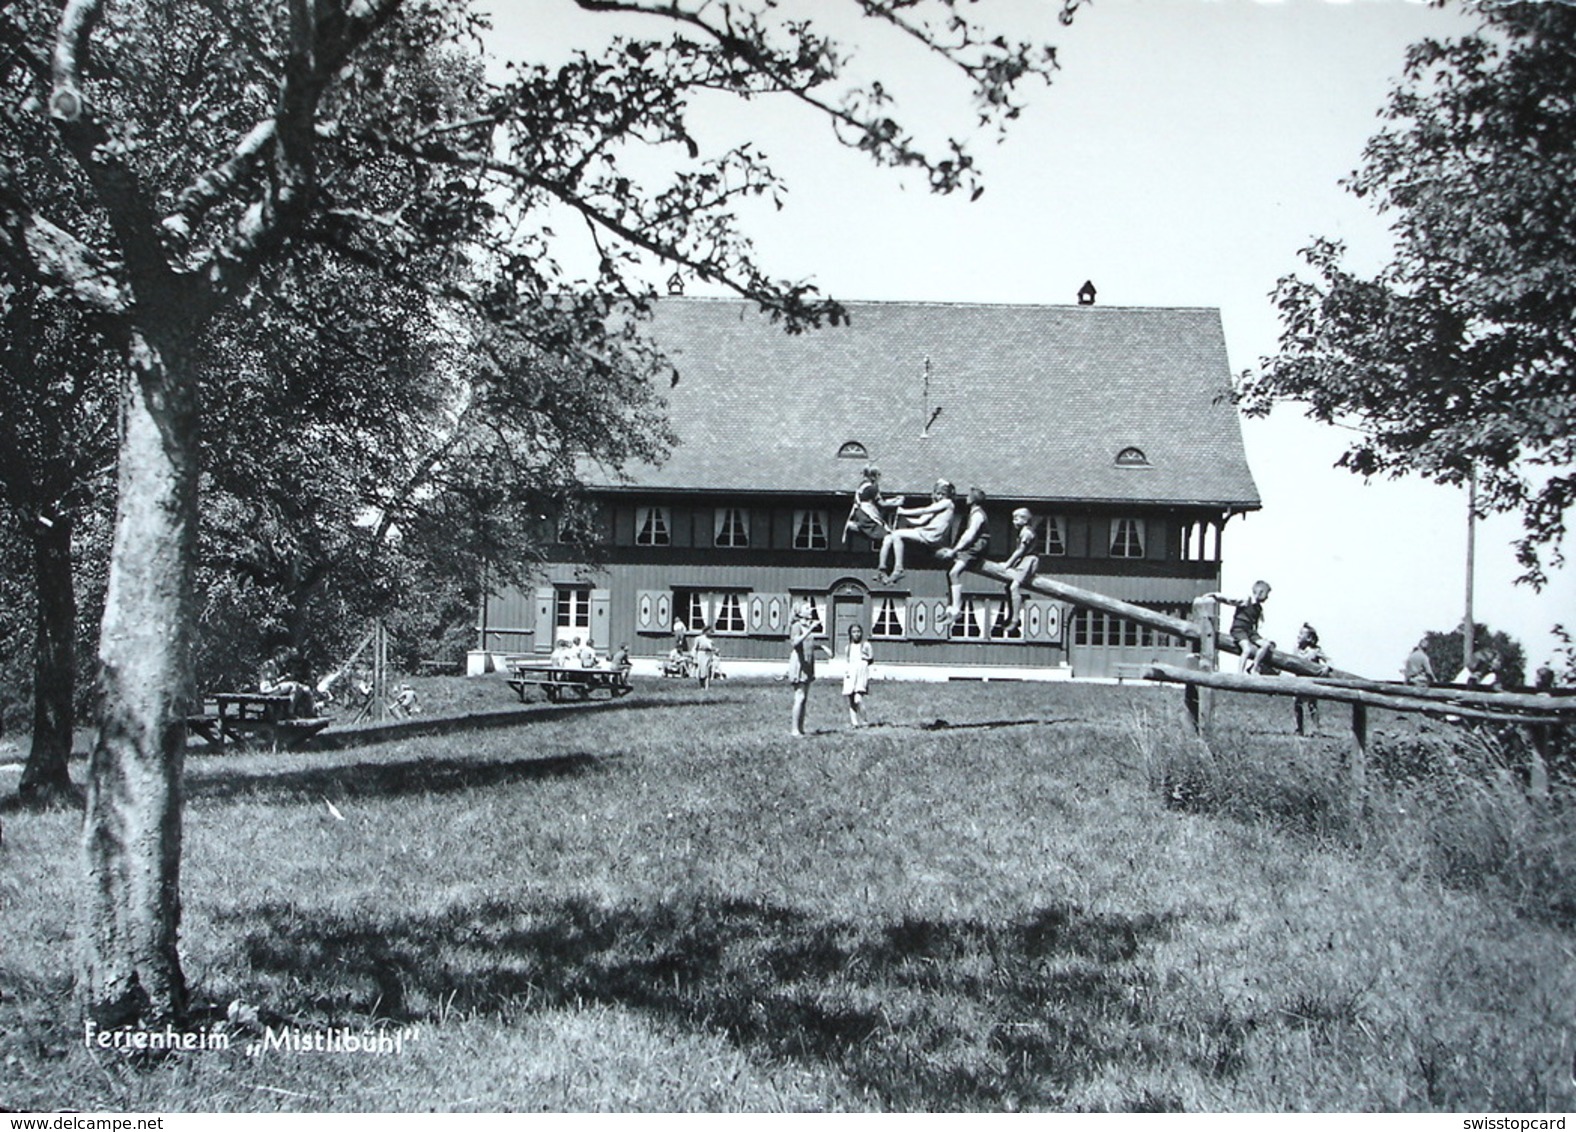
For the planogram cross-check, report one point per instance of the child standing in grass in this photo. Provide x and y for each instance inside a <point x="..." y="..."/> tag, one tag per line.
<point x="801" y="659"/>
<point x="1308" y="648"/>
<point x="856" y="681"/>
<point x="1245" y="625"/>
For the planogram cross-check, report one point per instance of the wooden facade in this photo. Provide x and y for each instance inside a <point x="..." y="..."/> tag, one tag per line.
<point x="747" y="516"/>
<point x="638" y="592"/>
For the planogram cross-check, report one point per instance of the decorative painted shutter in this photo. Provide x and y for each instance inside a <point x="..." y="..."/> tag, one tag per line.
<point x="1054" y="617"/>
<point x="546" y="619"/>
<point x="779" y="609"/>
<point x="653" y="611"/>
<point x="924" y="616"/>
<point x="601" y="623"/>
<point x="1034" y="621"/>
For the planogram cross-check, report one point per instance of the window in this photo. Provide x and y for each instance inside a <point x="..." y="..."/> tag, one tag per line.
<point x="1055" y="536"/>
<point x="891" y="614"/>
<point x="1127" y="538"/>
<point x="726" y="613"/>
<point x="653" y="526"/>
<point x="999" y="629"/>
<point x="852" y="450"/>
<point x="1193" y="539"/>
<point x="732" y="527"/>
<point x="809" y="530"/>
<point x="818" y="604"/>
<point x="693" y="607"/>
<point x="730" y="614"/>
<point x="969" y="624"/>
<point x="1132" y="458"/>
<point x="573" y="607"/>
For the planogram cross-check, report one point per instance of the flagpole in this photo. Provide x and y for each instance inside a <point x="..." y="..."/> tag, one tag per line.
<point x="1468" y="625"/>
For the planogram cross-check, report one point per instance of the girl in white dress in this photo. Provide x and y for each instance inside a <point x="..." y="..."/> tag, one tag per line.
<point x="856" y="680"/>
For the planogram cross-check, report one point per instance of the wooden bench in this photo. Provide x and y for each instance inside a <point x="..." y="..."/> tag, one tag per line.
<point x="562" y="683"/>
<point x="266" y="718"/>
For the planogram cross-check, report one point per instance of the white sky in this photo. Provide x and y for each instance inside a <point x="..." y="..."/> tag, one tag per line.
<point x="1186" y="152"/>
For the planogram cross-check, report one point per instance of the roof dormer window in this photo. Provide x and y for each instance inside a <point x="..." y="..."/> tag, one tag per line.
<point x="852" y="450"/>
<point x="1131" y="457"/>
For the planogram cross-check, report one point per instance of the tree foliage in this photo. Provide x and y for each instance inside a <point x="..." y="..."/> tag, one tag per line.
<point x="1447" y="652"/>
<point x="210" y="151"/>
<point x="1459" y="354"/>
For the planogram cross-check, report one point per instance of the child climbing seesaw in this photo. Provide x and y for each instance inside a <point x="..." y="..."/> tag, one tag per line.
<point x="1245" y="625"/>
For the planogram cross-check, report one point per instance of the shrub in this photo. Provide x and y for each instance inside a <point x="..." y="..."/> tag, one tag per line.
<point x="1447" y="802"/>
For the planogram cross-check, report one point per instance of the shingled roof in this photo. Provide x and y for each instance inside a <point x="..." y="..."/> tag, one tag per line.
<point x="1035" y="402"/>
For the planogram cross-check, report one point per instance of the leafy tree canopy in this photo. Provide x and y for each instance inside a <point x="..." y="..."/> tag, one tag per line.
<point x="1490" y="646"/>
<point x="1459" y="354"/>
<point x="207" y="148"/>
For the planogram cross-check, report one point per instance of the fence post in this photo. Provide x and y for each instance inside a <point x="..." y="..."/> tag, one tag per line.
<point x="1538" y="736"/>
<point x="1357" y="758"/>
<point x="380" y="672"/>
<point x="1201" y="701"/>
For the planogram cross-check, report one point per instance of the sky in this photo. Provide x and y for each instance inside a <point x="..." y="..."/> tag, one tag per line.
<point x="1184" y="154"/>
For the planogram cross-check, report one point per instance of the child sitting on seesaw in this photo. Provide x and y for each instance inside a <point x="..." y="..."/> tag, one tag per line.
<point x="1245" y="625"/>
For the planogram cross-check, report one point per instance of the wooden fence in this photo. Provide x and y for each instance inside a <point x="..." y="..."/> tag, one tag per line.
<point x="1539" y="713"/>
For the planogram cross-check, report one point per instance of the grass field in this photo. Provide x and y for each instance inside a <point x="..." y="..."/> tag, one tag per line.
<point x="1004" y="896"/>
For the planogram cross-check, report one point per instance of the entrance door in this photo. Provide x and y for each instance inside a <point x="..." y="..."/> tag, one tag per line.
<point x="847" y="609"/>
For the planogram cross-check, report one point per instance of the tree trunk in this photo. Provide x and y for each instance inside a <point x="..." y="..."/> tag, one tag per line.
<point x="130" y="970"/>
<point x="46" y="778"/>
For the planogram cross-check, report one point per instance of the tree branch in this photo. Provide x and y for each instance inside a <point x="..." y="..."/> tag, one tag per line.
<point x="210" y="187"/>
<point x="322" y="37"/>
<point x="77" y="21"/>
<point x="48" y="254"/>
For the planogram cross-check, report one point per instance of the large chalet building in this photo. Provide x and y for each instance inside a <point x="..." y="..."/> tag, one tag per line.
<point x="1112" y="425"/>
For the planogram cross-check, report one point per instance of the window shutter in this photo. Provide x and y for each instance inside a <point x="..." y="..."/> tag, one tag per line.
<point x="1034" y="621"/>
<point x="546" y="619"/>
<point x="653" y="611"/>
<point x="601" y="622"/>
<point x="777" y="614"/>
<point x="1079" y="542"/>
<point x="1055" y="619"/>
<point x="924" y="616"/>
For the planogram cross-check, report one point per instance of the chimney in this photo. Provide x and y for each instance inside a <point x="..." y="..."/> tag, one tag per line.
<point x="1086" y="294"/>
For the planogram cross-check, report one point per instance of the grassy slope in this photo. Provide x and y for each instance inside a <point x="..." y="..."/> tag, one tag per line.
<point x="668" y="903"/>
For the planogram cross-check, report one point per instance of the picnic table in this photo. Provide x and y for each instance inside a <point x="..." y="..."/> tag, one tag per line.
<point x="559" y="683"/>
<point x="269" y="718"/>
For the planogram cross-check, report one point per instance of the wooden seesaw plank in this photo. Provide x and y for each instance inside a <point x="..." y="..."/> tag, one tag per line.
<point x="1323" y="690"/>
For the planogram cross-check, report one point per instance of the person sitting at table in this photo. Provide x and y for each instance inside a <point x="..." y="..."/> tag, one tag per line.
<point x="563" y="654"/>
<point x="303" y="702"/>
